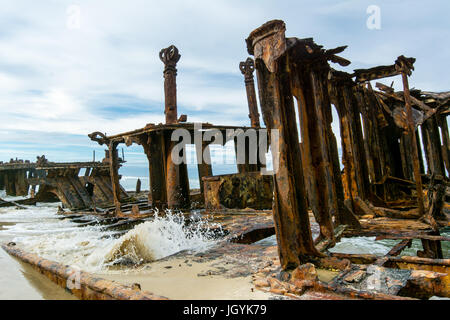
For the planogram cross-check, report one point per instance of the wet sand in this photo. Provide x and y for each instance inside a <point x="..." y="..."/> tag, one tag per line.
<point x="19" y="281"/>
<point x="178" y="279"/>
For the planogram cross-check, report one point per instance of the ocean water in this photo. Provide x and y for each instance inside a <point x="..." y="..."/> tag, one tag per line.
<point x="92" y="248"/>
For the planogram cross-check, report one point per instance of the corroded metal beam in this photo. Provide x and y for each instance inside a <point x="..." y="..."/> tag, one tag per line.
<point x="404" y="66"/>
<point x="170" y="56"/>
<point x="268" y="44"/>
<point x="247" y="68"/>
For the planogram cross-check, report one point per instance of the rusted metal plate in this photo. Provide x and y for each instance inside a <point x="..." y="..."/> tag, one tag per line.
<point x="238" y="191"/>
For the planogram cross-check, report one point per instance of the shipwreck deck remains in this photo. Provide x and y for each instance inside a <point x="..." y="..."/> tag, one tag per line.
<point x="60" y="181"/>
<point x="169" y="182"/>
<point x="382" y="166"/>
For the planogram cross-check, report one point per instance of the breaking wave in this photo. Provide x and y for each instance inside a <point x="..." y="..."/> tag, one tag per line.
<point x="161" y="237"/>
<point x="94" y="247"/>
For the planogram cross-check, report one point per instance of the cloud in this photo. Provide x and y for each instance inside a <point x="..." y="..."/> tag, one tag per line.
<point x="59" y="83"/>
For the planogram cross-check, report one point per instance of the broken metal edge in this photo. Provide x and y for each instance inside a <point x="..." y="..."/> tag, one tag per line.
<point x="81" y="284"/>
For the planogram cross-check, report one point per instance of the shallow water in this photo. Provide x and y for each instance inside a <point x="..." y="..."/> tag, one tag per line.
<point x="93" y="248"/>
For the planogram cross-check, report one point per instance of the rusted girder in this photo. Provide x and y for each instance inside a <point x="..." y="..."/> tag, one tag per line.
<point x="268" y="44"/>
<point x="247" y="68"/>
<point x="405" y="67"/>
<point x="114" y="171"/>
<point x="170" y="56"/>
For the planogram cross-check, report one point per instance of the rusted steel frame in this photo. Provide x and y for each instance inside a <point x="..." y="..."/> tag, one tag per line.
<point x="405" y="147"/>
<point x="349" y="175"/>
<point x="177" y="181"/>
<point x="10" y="180"/>
<point x="375" y="141"/>
<point x="203" y="163"/>
<point x="405" y="70"/>
<point x="433" y="147"/>
<point x="343" y="215"/>
<point x="321" y="194"/>
<point x="2" y="181"/>
<point x="247" y="68"/>
<point x="363" y="75"/>
<point x="318" y="200"/>
<point x="81" y="284"/>
<point x="153" y="144"/>
<point x="290" y="214"/>
<point x="358" y="143"/>
<point x="329" y="149"/>
<point x="170" y="56"/>
<point x="361" y="107"/>
<point x="442" y="122"/>
<point x="354" y="157"/>
<point x="114" y="172"/>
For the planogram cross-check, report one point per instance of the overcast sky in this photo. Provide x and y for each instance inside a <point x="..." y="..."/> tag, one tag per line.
<point x="60" y="81"/>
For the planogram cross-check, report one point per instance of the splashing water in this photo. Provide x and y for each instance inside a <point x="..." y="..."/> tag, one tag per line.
<point x="40" y="230"/>
<point x="156" y="239"/>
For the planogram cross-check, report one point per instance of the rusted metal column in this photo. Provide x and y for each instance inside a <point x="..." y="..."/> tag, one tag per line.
<point x="203" y="163"/>
<point x="10" y="182"/>
<point x="356" y="176"/>
<point x="322" y="197"/>
<point x="405" y="67"/>
<point x="170" y="56"/>
<point x="2" y="181"/>
<point x="247" y="68"/>
<point x="292" y="226"/>
<point x="153" y="145"/>
<point x="442" y="121"/>
<point x="177" y="181"/>
<point x="114" y="172"/>
<point x="433" y="146"/>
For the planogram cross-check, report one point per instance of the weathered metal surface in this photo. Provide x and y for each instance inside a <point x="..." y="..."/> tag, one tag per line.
<point x="292" y="225"/>
<point x="80" y="283"/>
<point x="238" y="191"/>
<point x="405" y="67"/>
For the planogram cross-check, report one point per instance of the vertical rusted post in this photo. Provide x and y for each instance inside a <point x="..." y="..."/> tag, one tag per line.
<point x="2" y="180"/>
<point x="247" y="68"/>
<point x="204" y="165"/>
<point x="292" y="226"/>
<point x="403" y="65"/>
<point x="153" y="145"/>
<point x="442" y="122"/>
<point x="177" y="181"/>
<point x="114" y="172"/>
<point x="10" y="182"/>
<point x="170" y="56"/>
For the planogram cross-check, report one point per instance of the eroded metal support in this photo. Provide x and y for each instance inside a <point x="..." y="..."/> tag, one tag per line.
<point x="114" y="171"/>
<point x="292" y="225"/>
<point x="404" y="66"/>
<point x="203" y="163"/>
<point x="177" y="181"/>
<point x="247" y="68"/>
<point x="170" y="56"/>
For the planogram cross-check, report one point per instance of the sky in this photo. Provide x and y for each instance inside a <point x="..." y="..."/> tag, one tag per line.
<point x="68" y="68"/>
